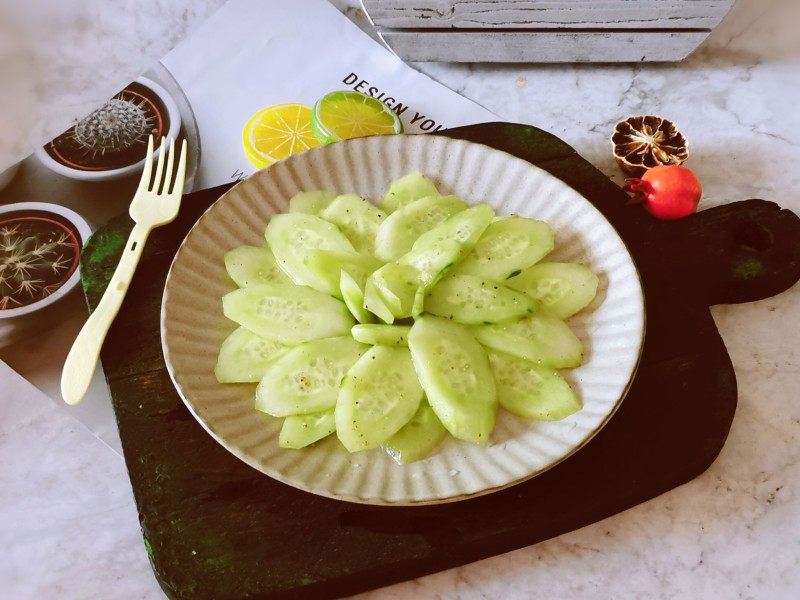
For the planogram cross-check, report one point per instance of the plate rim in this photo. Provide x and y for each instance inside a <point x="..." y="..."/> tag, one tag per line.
<point x="383" y="501"/>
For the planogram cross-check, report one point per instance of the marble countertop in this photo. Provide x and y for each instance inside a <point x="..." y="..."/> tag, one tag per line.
<point x="734" y="532"/>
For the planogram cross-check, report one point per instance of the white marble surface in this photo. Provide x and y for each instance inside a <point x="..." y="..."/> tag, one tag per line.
<point x="68" y="522"/>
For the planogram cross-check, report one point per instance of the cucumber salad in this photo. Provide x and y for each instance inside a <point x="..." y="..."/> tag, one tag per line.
<point x="394" y="326"/>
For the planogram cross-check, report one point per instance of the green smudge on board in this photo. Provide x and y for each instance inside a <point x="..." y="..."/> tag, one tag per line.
<point x="748" y="268"/>
<point x="100" y="257"/>
<point x="148" y="548"/>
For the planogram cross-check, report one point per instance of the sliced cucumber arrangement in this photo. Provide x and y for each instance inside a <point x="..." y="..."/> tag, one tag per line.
<point x="468" y="319"/>
<point x="508" y="246"/>
<point x="473" y="300"/>
<point x="299" y="431"/>
<point x="400" y="230"/>
<point x="379" y="394"/>
<point x="306" y="378"/>
<point x="290" y="314"/>
<point x="407" y="189"/>
<point x="562" y="289"/>
<point x="244" y="357"/>
<point x="357" y="218"/>
<point x="247" y="265"/>
<point x="454" y="372"/>
<point x="381" y="335"/>
<point x="311" y="203"/>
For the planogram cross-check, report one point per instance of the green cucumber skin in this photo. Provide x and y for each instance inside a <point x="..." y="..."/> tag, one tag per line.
<point x="381" y="335"/>
<point x="473" y="300"/>
<point x="454" y="372"/>
<point x="353" y="297"/>
<point x="531" y="390"/>
<point x="299" y="431"/>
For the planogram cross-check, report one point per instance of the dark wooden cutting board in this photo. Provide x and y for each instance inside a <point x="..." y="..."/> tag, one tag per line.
<point x="215" y="528"/>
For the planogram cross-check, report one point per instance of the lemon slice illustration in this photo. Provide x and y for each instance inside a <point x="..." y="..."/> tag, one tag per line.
<point x="344" y="115"/>
<point x="278" y="131"/>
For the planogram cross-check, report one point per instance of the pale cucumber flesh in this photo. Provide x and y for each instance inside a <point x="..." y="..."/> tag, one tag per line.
<point x="398" y="286"/>
<point x="357" y="218"/>
<point x="472" y="300"/>
<point x="454" y="372"/>
<point x="417" y="438"/>
<point x="464" y="227"/>
<point x="374" y="302"/>
<point x="434" y="261"/>
<point x="291" y="236"/>
<point x="289" y="314"/>
<point x="379" y="394"/>
<point x="327" y="266"/>
<point x="540" y="338"/>
<point x="381" y="335"/>
<point x="561" y="289"/>
<point x="508" y="246"/>
<point x="406" y="189"/>
<point x="353" y="297"/>
<point x="306" y="378"/>
<point x="299" y="431"/>
<point x="244" y="357"/>
<point x="531" y="390"/>
<point x="248" y="265"/>
<point x="398" y="232"/>
<point x="311" y="203"/>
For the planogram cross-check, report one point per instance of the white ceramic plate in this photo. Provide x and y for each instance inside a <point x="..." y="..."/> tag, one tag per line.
<point x="193" y="326"/>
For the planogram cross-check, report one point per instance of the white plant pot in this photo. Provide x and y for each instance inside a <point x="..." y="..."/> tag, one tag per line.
<point x="22" y="320"/>
<point x="174" y="128"/>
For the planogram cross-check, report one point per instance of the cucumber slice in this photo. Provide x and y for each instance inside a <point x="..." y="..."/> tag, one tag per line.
<point x="379" y="395"/>
<point x="454" y="372"/>
<point x="311" y="203"/>
<point x="354" y="298"/>
<point x="381" y="335"/>
<point x="292" y="236"/>
<point x="299" y="431"/>
<point x="530" y="390"/>
<point x="434" y="261"/>
<point x="508" y="246"/>
<point x="400" y="230"/>
<point x="419" y="303"/>
<point x="398" y="286"/>
<point x="472" y="300"/>
<point x="357" y="218"/>
<point x="562" y="289"/>
<point x="327" y="266"/>
<point x="540" y="338"/>
<point x="374" y="302"/>
<point x="464" y="227"/>
<point x="244" y="357"/>
<point x="407" y="188"/>
<point x="417" y="438"/>
<point x="247" y="265"/>
<point x="306" y="378"/>
<point x="289" y="314"/>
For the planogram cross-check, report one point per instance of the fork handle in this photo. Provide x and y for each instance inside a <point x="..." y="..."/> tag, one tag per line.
<point x="82" y="358"/>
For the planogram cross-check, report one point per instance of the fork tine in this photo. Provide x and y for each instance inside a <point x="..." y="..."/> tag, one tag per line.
<point x="180" y="175"/>
<point x="144" y="182"/>
<point x="168" y="171"/>
<point x="159" y="167"/>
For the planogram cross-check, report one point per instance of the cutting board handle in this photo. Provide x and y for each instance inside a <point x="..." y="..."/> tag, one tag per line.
<point x="741" y="252"/>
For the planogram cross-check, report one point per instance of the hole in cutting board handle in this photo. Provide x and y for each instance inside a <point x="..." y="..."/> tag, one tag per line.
<point x="753" y="237"/>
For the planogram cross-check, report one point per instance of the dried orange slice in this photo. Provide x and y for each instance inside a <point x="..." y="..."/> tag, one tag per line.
<point x="644" y="142"/>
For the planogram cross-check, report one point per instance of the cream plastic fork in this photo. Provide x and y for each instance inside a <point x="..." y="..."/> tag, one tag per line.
<point x="152" y="206"/>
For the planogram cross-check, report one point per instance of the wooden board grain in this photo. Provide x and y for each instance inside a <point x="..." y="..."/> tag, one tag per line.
<point x="542" y="46"/>
<point x="216" y="529"/>
<point x="547" y="14"/>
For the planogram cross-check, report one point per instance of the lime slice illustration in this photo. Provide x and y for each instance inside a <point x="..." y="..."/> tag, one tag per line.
<point x="344" y="115"/>
<point x="278" y="131"/>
